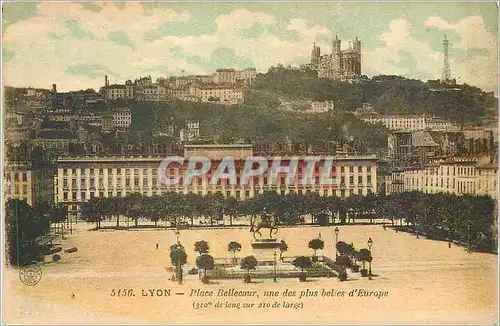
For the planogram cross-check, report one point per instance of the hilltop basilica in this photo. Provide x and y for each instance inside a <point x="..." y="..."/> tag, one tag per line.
<point x="343" y="65"/>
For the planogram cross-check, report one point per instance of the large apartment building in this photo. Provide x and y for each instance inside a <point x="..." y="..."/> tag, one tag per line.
<point x="233" y="76"/>
<point x="142" y="89"/>
<point x="454" y="177"/>
<point x="80" y="178"/>
<point x="220" y="94"/>
<point x="18" y="182"/>
<point x="411" y="123"/>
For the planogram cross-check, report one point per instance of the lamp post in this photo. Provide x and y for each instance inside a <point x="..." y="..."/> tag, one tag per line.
<point x="468" y="238"/>
<point x="178" y="267"/>
<point x="370" y="244"/>
<point x="274" y="278"/>
<point x="336" y="241"/>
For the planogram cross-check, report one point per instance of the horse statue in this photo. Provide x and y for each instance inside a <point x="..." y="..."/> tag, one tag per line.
<point x="265" y="221"/>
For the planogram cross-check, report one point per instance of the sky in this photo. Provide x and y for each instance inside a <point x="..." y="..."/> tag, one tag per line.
<point x="75" y="44"/>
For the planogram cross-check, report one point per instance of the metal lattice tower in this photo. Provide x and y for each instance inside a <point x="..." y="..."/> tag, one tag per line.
<point x="446" y="68"/>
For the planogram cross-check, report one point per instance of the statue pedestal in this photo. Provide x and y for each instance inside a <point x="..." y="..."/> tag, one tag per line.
<point x="264" y="250"/>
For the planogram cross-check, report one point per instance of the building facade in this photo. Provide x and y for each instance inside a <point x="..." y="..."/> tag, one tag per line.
<point x="220" y="94"/>
<point x="411" y="123"/>
<point x="79" y="179"/>
<point x="322" y="107"/>
<point x="452" y="177"/>
<point x="18" y="182"/>
<point x="191" y="131"/>
<point x="122" y="118"/>
<point x="232" y="76"/>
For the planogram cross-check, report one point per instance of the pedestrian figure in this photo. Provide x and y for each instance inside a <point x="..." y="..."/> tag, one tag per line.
<point x="72" y="295"/>
<point x="449" y="244"/>
<point x="384" y="228"/>
<point x="157" y="246"/>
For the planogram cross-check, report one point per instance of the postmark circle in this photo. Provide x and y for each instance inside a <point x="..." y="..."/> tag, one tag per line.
<point x="30" y="275"/>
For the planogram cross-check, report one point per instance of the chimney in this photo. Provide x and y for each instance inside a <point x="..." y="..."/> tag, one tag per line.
<point x="106" y="81"/>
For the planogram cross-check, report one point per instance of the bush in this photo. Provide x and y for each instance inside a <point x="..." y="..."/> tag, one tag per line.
<point x="205" y="279"/>
<point x="302" y="277"/>
<point x="343" y="261"/>
<point x="247" y="278"/>
<point x="364" y="272"/>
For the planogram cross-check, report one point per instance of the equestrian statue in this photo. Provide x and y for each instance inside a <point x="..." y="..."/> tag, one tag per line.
<point x="264" y="221"/>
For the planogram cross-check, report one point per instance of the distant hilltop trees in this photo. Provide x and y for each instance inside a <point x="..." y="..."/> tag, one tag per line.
<point x="388" y="94"/>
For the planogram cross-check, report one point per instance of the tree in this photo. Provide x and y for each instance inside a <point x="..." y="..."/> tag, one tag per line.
<point x="343" y="248"/>
<point x="153" y="208"/>
<point x="302" y="262"/>
<point x="283" y="248"/>
<point x="59" y="213"/>
<point x="178" y="257"/>
<point x="334" y="205"/>
<point x="322" y="219"/>
<point x="23" y="228"/>
<point x="205" y="262"/>
<point x="91" y="212"/>
<point x="214" y="206"/>
<point x="364" y="256"/>
<point x="231" y="208"/>
<point x="248" y="263"/>
<point x="353" y="206"/>
<point x="234" y="247"/>
<point x="133" y="207"/>
<point x="316" y="244"/>
<point x="201" y="247"/>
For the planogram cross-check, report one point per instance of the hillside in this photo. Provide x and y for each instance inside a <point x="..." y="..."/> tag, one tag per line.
<point x="388" y="94"/>
<point x="257" y="124"/>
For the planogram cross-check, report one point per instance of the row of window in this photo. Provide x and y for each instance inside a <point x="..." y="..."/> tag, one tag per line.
<point x="18" y="176"/>
<point x="8" y="190"/>
<point x="451" y="171"/>
<point x="83" y="182"/>
<point x="67" y="171"/>
<point x="91" y="194"/>
<point x="172" y="171"/>
<point x="199" y="181"/>
<point x="462" y="186"/>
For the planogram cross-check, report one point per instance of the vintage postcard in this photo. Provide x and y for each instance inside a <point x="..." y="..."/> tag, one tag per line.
<point x="249" y="163"/>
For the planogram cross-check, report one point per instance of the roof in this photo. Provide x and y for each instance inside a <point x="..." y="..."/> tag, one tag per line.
<point x="225" y="70"/>
<point x="116" y="86"/>
<point x="220" y="146"/>
<point x="422" y="138"/>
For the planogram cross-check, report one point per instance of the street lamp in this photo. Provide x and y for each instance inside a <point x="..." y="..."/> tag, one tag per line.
<point x="274" y="278"/>
<point x="177" y="233"/>
<point x="415" y="225"/>
<point x="370" y="244"/>
<point x="336" y="241"/>
<point x="178" y="267"/>
<point x="468" y="238"/>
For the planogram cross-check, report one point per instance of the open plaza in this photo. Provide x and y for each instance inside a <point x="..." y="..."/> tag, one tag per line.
<point x="414" y="281"/>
